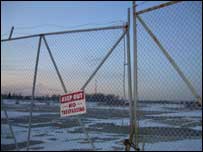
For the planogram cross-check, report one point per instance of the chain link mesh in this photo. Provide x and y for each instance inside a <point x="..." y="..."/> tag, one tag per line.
<point x="77" y="55"/>
<point x="170" y="118"/>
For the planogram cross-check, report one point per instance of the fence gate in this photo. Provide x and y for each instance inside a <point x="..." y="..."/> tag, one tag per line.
<point x="38" y="69"/>
<point x="169" y="50"/>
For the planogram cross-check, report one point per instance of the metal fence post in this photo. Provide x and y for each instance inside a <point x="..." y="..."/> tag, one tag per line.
<point x="33" y="91"/>
<point x="124" y="66"/>
<point x="130" y="86"/>
<point x="135" y="75"/>
<point x="11" y="33"/>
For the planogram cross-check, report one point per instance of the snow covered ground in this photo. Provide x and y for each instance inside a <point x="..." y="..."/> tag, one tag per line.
<point x="196" y="113"/>
<point x="108" y="126"/>
<point x="183" y="145"/>
<point x="16" y="114"/>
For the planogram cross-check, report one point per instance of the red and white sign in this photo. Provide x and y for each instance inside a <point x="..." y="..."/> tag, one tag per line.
<point x="73" y="104"/>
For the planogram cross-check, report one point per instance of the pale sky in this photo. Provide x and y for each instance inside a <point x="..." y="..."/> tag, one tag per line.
<point x="179" y="27"/>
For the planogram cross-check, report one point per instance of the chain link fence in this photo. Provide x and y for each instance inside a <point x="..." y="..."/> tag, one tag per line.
<point x="170" y="117"/>
<point x="76" y="55"/>
<point x="168" y="112"/>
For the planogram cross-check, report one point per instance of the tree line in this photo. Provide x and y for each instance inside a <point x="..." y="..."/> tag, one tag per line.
<point x="99" y="97"/>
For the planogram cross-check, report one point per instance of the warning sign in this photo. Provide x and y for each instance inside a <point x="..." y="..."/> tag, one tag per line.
<point x="73" y="104"/>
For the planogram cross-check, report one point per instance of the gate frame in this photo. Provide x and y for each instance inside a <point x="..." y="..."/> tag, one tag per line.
<point x="42" y="38"/>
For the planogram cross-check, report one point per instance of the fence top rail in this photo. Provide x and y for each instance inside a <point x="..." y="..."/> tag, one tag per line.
<point x="157" y="7"/>
<point x="66" y="32"/>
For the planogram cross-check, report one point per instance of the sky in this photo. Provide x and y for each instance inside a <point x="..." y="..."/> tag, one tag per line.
<point x="45" y="15"/>
<point x="41" y="17"/>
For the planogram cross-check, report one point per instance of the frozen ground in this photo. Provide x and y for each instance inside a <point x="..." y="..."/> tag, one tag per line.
<point x="162" y="127"/>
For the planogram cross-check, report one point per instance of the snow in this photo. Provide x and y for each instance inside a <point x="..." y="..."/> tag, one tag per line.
<point x="195" y="113"/>
<point x="197" y="128"/>
<point x="63" y="139"/>
<point x="55" y="138"/>
<point x="183" y="145"/>
<point x="98" y="106"/>
<point x="118" y="122"/>
<point x="16" y="114"/>
<point x="126" y="122"/>
<point x="150" y="123"/>
<point x="159" y="107"/>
